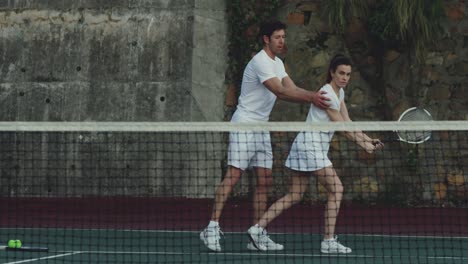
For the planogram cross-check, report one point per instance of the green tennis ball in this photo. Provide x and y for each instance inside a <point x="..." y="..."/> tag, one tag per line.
<point x="12" y="243"/>
<point x="18" y="243"/>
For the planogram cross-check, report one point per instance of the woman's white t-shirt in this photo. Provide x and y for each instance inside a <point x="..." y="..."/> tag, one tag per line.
<point x="309" y="150"/>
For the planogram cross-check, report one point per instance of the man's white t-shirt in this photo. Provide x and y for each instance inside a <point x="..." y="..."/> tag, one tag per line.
<point x="309" y="150"/>
<point x="255" y="100"/>
<point x="253" y="149"/>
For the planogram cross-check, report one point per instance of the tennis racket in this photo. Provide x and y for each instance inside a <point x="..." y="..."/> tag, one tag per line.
<point x="414" y="137"/>
<point x="23" y="248"/>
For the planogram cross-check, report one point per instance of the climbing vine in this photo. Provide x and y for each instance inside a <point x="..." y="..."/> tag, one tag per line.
<point x="412" y="24"/>
<point x="245" y="17"/>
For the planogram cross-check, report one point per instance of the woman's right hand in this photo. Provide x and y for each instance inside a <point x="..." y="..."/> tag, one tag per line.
<point x="369" y="147"/>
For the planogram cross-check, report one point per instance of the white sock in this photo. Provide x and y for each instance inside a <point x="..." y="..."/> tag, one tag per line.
<point x="213" y="224"/>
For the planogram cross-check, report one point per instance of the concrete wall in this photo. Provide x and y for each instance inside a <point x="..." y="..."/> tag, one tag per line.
<point x="209" y="60"/>
<point x="113" y="60"/>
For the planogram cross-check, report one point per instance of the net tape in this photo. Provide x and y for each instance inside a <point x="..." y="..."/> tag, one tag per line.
<point x="227" y="126"/>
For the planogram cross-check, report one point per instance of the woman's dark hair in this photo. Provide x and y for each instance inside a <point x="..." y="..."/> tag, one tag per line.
<point x="267" y="28"/>
<point x="338" y="60"/>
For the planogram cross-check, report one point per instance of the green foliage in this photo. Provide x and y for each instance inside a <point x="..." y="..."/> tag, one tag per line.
<point x="414" y="23"/>
<point x="245" y="16"/>
<point x="338" y="13"/>
<point x="412" y="159"/>
<point x="405" y="23"/>
<point x="378" y="23"/>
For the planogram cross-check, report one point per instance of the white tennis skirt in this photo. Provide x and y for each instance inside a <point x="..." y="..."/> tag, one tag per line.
<point x="309" y="152"/>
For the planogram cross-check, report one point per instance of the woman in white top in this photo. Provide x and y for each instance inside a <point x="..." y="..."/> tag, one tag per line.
<point x="308" y="156"/>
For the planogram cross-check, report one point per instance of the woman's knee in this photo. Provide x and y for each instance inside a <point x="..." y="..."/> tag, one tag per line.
<point x="339" y="190"/>
<point x="296" y="197"/>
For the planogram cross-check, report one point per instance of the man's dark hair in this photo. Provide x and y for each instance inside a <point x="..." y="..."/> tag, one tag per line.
<point x="267" y="28"/>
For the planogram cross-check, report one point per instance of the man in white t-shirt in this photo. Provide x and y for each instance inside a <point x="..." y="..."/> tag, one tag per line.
<point x="264" y="80"/>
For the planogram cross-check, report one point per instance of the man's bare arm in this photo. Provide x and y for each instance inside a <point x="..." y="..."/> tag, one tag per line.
<point x="288" y="91"/>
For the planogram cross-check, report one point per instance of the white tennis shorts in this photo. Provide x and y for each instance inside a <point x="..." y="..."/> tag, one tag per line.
<point x="309" y="152"/>
<point x="250" y="149"/>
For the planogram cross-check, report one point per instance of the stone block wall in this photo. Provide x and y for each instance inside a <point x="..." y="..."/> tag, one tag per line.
<point x="441" y="82"/>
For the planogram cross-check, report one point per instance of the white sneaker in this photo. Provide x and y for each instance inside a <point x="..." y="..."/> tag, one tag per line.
<point x="271" y="245"/>
<point x="258" y="237"/>
<point x="333" y="246"/>
<point x="211" y="236"/>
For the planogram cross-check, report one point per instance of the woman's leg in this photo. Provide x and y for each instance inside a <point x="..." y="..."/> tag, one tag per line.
<point x="297" y="188"/>
<point x="257" y="233"/>
<point x="332" y="183"/>
<point x="264" y="181"/>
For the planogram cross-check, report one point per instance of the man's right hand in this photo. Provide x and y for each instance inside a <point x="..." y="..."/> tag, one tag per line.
<point x="320" y="100"/>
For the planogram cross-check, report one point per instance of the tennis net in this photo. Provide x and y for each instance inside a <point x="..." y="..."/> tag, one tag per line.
<point x="117" y="192"/>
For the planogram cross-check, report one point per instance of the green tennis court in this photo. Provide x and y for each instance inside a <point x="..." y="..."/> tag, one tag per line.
<point x="139" y="246"/>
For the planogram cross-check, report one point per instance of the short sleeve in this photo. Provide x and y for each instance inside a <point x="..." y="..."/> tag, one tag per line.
<point x="264" y="70"/>
<point x="281" y="70"/>
<point x="335" y="102"/>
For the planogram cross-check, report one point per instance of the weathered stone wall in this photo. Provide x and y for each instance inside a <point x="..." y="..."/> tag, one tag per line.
<point x="403" y="173"/>
<point x="142" y="60"/>
<point x="115" y="60"/>
<point x="441" y="86"/>
<point x="111" y="60"/>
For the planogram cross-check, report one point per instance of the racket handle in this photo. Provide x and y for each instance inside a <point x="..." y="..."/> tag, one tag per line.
<point x="28" y="249"/>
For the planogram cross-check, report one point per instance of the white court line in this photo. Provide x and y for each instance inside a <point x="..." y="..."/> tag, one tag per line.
<point x="197" y="232"/>
<point x="264" y="254"/>
<point x="280" y="233"/>
<point x="68" y="253"/>
<point x="259" y="254"/>
<point x="43" y="258"/>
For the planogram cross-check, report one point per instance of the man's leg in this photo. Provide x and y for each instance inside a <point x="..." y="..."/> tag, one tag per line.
<point x="264" y="182"/>
<point x="212" y="233"/>
<point x="224" y="189"/>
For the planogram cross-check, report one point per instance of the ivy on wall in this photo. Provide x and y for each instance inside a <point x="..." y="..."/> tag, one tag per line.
<point x="245" y="17"/>
<point x="400" y="23"/>
<point x="407" y="27"/>
<point x="412" y="24"/>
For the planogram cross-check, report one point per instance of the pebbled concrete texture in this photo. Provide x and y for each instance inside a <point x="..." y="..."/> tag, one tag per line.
<point x="113" y="57"/>
<point x="111" y="60"/>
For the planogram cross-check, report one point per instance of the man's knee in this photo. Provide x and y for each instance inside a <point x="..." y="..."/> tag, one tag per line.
<point x="264" y="178"/>
<point x="232" y="176"/>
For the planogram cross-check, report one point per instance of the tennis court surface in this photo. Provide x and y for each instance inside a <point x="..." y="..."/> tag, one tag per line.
<point x="141" y="193"/>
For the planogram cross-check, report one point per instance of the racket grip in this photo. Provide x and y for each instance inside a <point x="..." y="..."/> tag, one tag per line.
<point x="28" y="249"/>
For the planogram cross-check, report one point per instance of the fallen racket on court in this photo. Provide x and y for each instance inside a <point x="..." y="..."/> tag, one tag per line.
<point x="25" y="248"/>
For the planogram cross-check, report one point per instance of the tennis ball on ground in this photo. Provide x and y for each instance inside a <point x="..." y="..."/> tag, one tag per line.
<point x="18" y="243"/>
<point x="12" y="243"/>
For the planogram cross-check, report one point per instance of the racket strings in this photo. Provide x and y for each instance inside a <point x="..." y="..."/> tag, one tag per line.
<point x="415" y="114"/>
